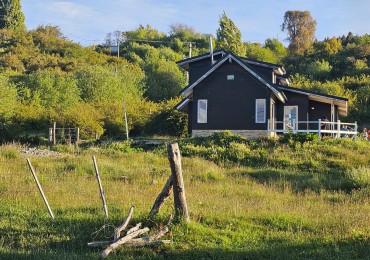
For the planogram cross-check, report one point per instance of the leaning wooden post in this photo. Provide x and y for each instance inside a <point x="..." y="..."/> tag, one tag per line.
<point x="165" y="193"/>
<point x="181" y="207"/>
<point x="100" y="188"/>
<point x="40" y="189"/>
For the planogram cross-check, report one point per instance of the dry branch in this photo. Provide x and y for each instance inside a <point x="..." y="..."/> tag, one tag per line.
<point x="165" y="193"/>
<point x="123" y="240"/>
<point x="118" y="230"/>
<point x="133" y="229"/>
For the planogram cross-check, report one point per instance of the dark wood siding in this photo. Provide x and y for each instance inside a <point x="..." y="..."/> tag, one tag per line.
<point x="231" y="103"/>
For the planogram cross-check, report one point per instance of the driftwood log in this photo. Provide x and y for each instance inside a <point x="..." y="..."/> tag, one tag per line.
<point x="118" y="230"/>
<point x="123" y="240"/>
<point x="131" y="238"/>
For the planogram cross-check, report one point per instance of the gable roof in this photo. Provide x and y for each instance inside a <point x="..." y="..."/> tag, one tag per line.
<point x="187" y="91"/>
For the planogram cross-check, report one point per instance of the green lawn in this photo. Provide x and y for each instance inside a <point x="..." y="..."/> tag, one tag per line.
<point x="271" y="211"/>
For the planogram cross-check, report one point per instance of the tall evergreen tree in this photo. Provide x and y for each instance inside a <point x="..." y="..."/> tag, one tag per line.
<point x="229" y="36"/>
<point x="11" y="15"/>
<point x="301" y="29"/>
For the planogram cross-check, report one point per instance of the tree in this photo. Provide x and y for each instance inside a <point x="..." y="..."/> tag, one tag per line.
<point x="301" y="28"/>
<point x="229" y="36"/>
<point x="11" y="15"/>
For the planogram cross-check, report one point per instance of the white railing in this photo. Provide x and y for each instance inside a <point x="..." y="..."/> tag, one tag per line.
<point x="336" y="129"/>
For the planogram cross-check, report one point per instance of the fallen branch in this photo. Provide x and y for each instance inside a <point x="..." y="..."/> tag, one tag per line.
<point x="118" y="230"/>
<point x="123" y="240"/>
<point x="165" y="193"/>
<point x="137" y="227"/>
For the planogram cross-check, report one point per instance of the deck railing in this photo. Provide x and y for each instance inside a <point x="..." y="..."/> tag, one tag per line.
<point x="336" y="129"/>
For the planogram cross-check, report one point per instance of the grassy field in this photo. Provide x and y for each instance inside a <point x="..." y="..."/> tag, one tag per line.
<point x="309" y="201"/>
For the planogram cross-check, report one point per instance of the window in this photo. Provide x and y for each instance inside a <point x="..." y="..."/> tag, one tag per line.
<point x="260" y="110"/>
<point x="202" y="111"/>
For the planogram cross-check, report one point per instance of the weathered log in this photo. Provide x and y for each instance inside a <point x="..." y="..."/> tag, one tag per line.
<point x="137" y="227"/>
<point x="118" y="230"/>
<point x="135" y="243"/>
<point x="165" y="193"/>
<point x="181" y="208"/>
<point x="123" y="240"/>
<point x="100" y="243"/>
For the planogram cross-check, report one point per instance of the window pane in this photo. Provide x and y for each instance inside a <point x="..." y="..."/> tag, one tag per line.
<point x="260" y="110"/>
<point x="202" y="111"/>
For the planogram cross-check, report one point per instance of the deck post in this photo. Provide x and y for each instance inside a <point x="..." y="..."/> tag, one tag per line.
<point x="268" y="128"/>
<point x="356" y="129"/>
<point x="338" y="129"/>
<point x="319" y="129"/>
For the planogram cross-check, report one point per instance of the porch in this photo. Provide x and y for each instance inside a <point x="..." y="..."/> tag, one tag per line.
<point x="336" y="129"/>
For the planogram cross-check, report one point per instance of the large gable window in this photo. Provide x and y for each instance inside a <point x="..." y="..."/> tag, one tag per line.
<point x="260" y="110"/>
<point x="202" y="111"/>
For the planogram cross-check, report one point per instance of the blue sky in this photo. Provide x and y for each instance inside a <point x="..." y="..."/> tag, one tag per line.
<point x="88" y="21"/>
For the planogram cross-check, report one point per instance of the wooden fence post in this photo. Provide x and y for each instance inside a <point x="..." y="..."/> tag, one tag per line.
<point x="40" y="189"/>
<point x="100" y="188"/>
<point x="181" y="208"/>
<point x="54" y="134"/>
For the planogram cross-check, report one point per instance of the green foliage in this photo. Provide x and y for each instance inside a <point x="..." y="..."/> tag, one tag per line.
<point x="229" y="36"/>
<point x="8" y="99"/>
<point x="167" y="120"/>
<point x="11" y="15"/>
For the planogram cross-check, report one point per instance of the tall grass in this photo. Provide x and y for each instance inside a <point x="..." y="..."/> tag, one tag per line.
<point x="240" y="211"/>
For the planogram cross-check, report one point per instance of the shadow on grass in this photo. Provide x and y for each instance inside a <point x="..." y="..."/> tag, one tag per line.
<point x="302" y="181"/>
<point x="268" y="249"/>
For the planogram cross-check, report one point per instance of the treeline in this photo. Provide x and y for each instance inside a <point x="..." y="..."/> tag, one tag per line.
<point x="46" y="78"/>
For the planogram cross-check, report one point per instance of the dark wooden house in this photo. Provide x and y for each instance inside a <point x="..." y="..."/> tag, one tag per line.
<point x="249" y="97"/>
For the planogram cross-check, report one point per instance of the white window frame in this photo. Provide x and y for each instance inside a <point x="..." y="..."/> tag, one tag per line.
<point x="199" y="111"/>
<point x="264" y="111"/>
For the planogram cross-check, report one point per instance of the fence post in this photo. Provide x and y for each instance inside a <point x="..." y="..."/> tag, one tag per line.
<point x="78" y="136"/>
<point x="50" y="135"/>
<point x="181" y="208"/>
<point x="54" y="134"/>
<point x="319" y="129"/>
<point x="40" y="189"/>
<point x="338" y="129"/>
<point x="100" y="188"/>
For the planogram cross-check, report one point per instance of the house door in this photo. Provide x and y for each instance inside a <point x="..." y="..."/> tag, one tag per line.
<point x="290" y="117"/>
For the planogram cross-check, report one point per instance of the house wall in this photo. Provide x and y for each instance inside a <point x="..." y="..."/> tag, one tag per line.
<point x="231" y="103"/>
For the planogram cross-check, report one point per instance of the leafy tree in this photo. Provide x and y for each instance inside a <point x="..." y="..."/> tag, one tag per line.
<point x="257" y="52"/>
<point x="11" y="15"/>
<point x="229" y="36"/>
<point x="8" y="99"/>
<point x="54" y="91"/>
<point x="277" y="48"/>
<point x="301" y="28"/>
